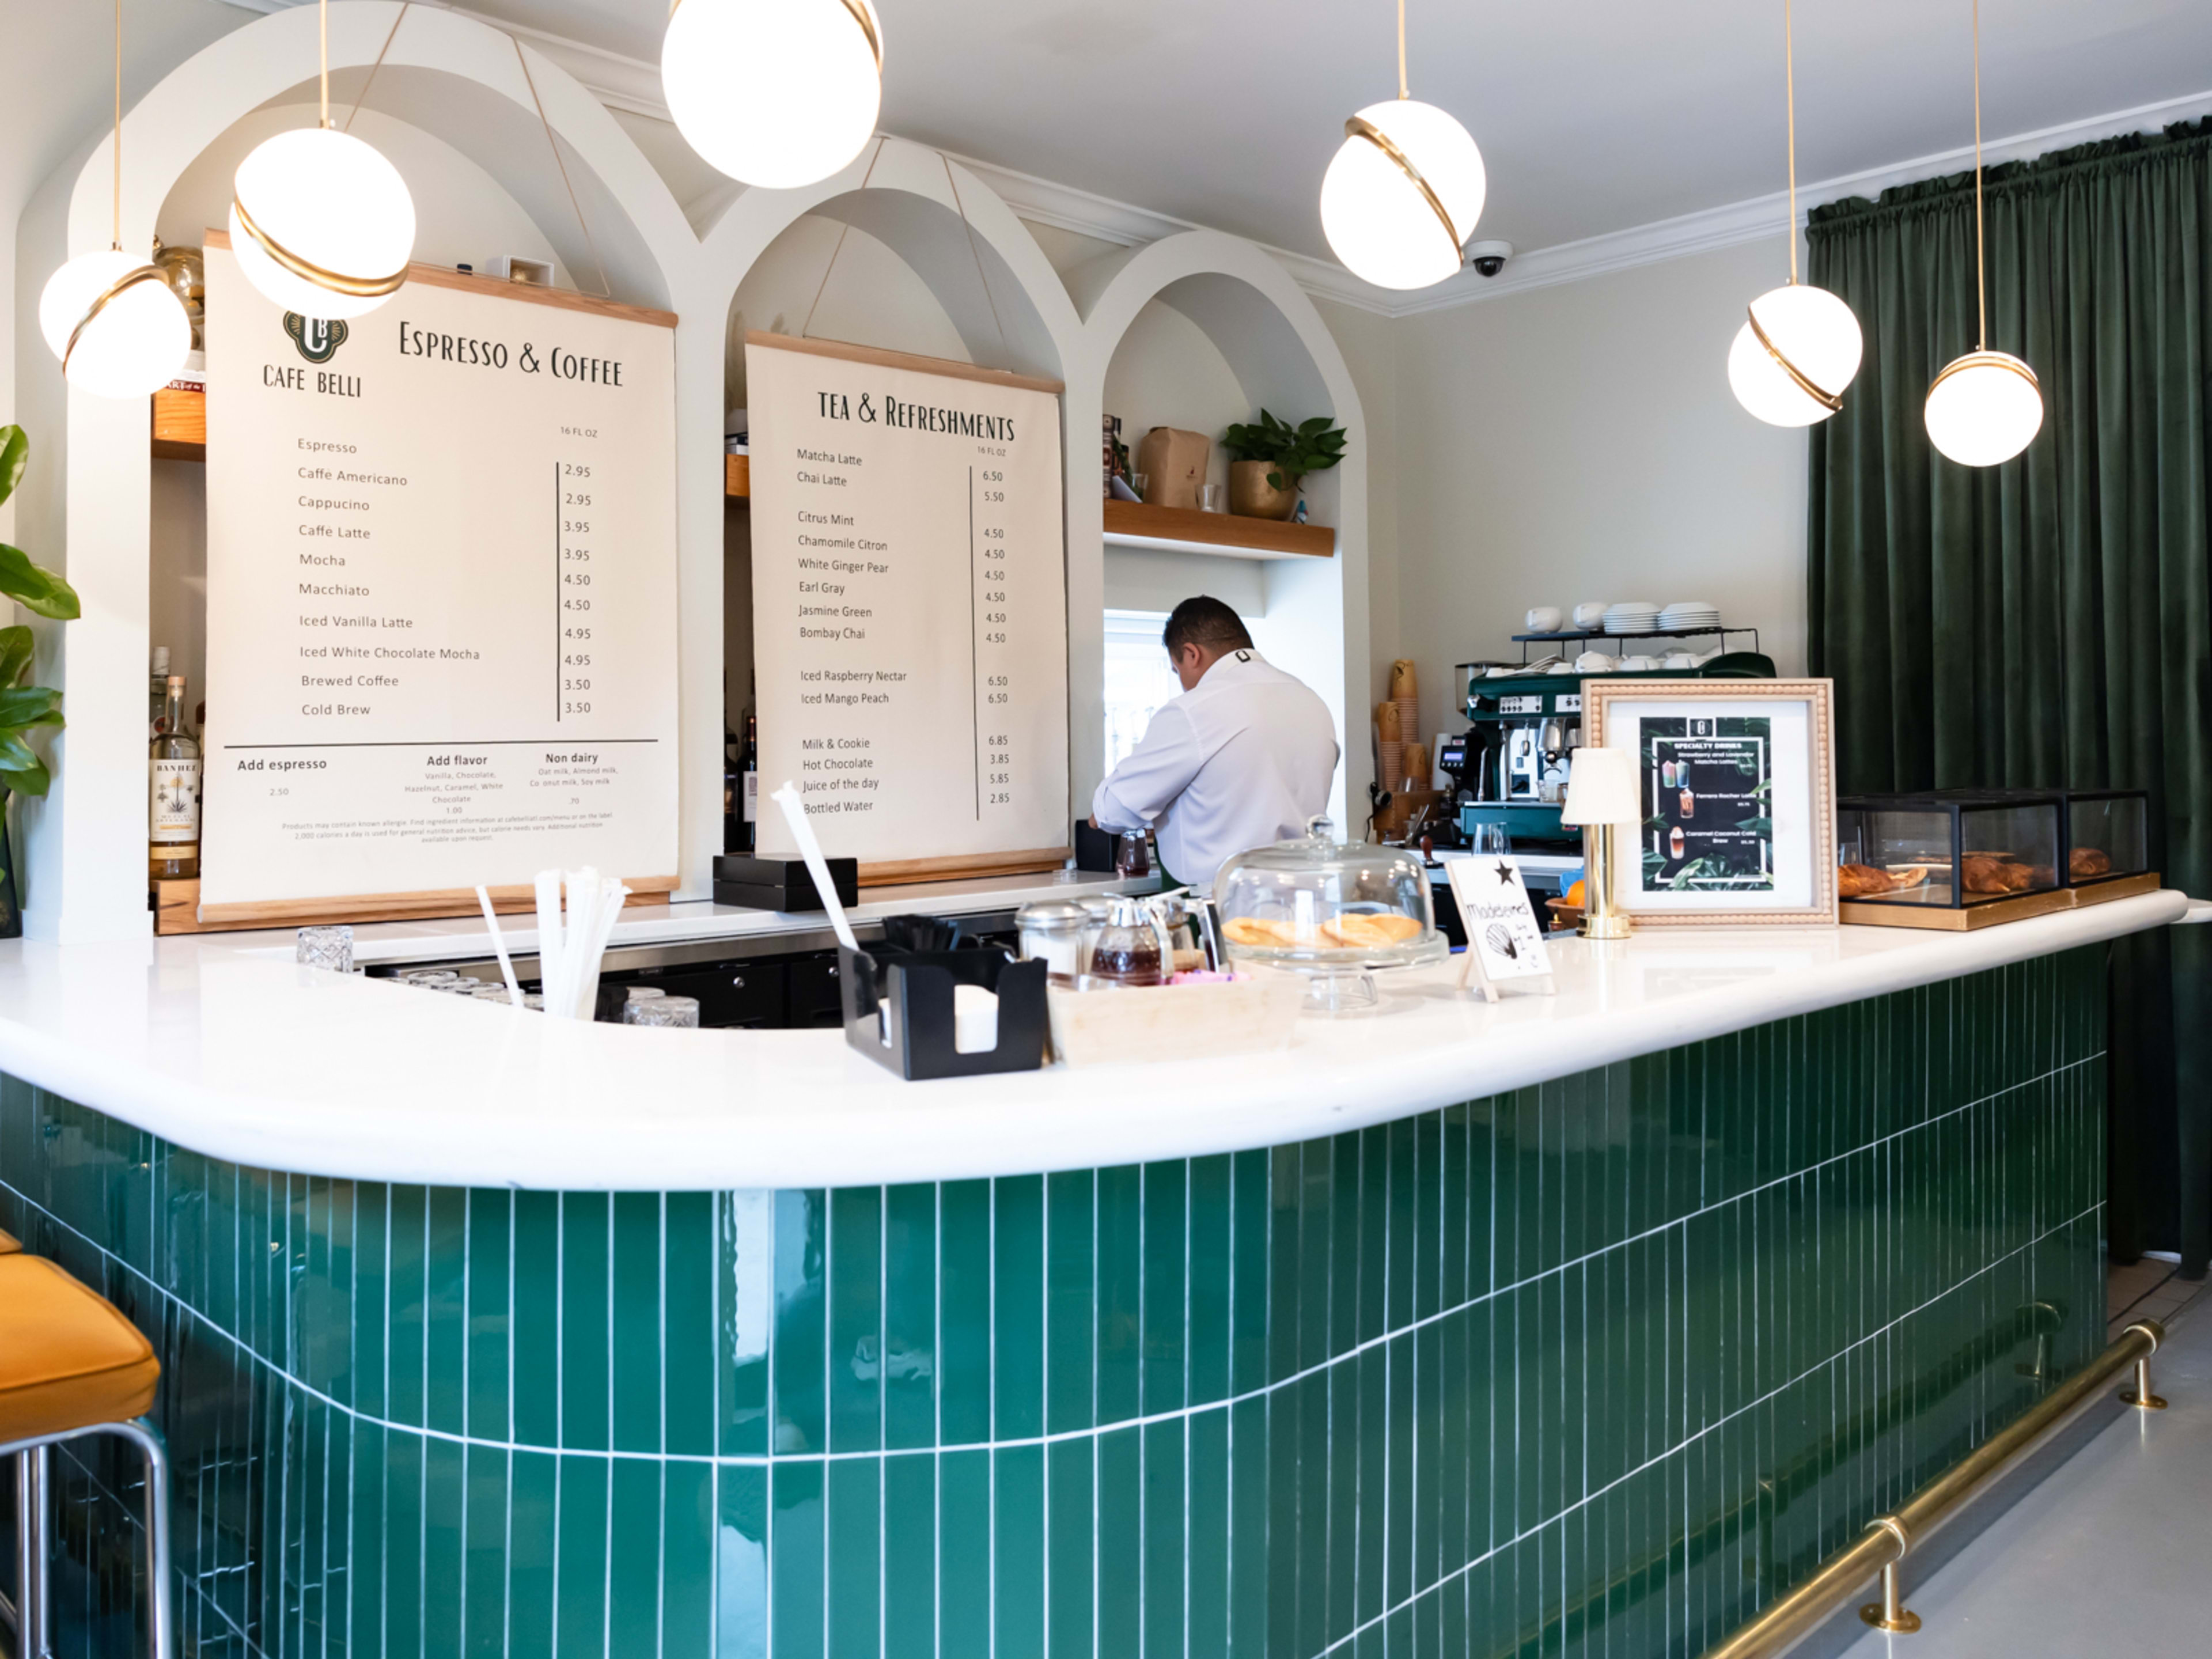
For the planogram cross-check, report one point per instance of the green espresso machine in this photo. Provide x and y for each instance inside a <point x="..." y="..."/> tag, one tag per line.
<point x="1512" y="764"/>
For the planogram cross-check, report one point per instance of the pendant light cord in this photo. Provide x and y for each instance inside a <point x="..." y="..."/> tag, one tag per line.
<point x="975" y="251"/>
<point x="821" y="287"/>
<point x="1402" y="48"/>
<point x="554" y="144"/>
<point x="1789" y="82"/>
<point x="115" y="195"/>
<point x="1981" y="268"/>
<point x="323" y="17"/>
<point x="377" y="66"/>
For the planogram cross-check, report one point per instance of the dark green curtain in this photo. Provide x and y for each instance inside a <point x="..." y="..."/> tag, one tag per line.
<point x="2048" y="620"/>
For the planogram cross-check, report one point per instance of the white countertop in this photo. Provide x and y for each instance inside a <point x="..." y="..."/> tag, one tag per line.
<point x="220" y="1044"/>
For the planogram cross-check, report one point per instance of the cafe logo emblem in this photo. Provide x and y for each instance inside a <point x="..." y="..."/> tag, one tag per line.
<point x="318" y="341"/>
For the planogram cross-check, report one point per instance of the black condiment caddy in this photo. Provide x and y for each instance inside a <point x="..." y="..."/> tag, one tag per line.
<point x="898" y="998"/>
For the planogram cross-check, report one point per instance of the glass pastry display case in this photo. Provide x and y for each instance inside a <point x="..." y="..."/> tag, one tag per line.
<point x="1950" y="850"/>
<point x="2107" y="834"/>
<point x="1335" y="911"/>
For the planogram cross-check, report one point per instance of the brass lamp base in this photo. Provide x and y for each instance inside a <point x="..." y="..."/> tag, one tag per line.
<point x="1600" y="920"/>
<point x="1613" y="925"/>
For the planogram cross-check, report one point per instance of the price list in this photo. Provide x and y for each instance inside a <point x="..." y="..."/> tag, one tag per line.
<point x="909" y="605"/>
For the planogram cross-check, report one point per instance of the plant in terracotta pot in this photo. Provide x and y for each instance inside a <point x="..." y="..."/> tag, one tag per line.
<point x="23" y="709"/>
<point x="1270" y="456"/>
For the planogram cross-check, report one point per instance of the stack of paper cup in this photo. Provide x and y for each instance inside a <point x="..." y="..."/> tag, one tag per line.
<point x="1406" y="692"/>
<point x="1389" y="745"/>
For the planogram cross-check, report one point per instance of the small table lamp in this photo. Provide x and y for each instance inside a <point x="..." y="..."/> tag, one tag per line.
<point x="1601" y="795"/>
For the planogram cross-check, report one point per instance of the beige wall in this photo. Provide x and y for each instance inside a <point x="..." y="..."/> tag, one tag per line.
<point x="1574" y="443"/>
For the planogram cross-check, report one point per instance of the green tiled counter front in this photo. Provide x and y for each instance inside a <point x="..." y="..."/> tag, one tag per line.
<point x="1594" y="1367"/>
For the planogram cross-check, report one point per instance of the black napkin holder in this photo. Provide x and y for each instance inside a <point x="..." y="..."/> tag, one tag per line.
<point x="907" y="996"/>
<point x="781" y="883"/>
<point x="1095" y="850"/>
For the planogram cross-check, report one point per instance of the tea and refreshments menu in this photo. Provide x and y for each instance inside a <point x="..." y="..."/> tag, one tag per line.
<point x="909" y="605"/>
<point x="441" y="592"/>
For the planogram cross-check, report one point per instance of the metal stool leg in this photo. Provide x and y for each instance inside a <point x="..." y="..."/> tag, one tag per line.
<point x="33" y="1505"/>
<point x="33" y="1501"/>
<point x="161" y="1636"/>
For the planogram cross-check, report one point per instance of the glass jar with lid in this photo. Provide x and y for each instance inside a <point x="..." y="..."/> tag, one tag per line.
<point x="1336" y="910"/>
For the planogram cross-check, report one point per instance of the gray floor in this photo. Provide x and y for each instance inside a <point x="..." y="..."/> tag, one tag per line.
<point x="2112" y="1554"/>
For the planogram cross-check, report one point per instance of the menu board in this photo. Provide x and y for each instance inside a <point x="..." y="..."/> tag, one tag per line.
<point x="909" y="607"/>
<point x="441" y="594"/>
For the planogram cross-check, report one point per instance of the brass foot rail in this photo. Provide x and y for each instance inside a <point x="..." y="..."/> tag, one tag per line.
<point x="1890" y="1537"/>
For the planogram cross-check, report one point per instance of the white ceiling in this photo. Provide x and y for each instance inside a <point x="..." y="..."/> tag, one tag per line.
<point x="1594" y="117"/>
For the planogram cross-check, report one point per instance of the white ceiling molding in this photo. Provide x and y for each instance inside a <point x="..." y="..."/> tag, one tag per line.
<point x="631" y="85"/>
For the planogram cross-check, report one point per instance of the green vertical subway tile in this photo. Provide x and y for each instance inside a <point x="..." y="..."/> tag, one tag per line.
<point x="1342" y="1519"/>
<point x="307" y="1521"/>
<point x="634" y="1539"/>
<point x="405" y="1292"/>
<point x="1248" y="1510"/>
<point x="1317" y="1237"/>
<point x="1017" y="1583"/>
<point x="367" y="1309"/>
<point x="910" y="1314"/>
<point x="745" y="1302"/>
<point x="1284" y="1260"/>
<point x="483" y="1606"/>
<point x="529" y="1561"/>
<point x="1428" y="1213"/>
<point x="635" y="1295"/>
<point x="853" y="1533"/>
<point x="1398" y="1472"/>
<point x="1374" y="1233"/>
<point x="741" y="1560"/>
<point x="1557" y="1419"/>
<point x="1400" y="1252"/>
<point x="1309" y="1398"/>
<point x="1205" y="1579"/>
<point x="1249" y="1215"/>
<point x="964" y="1246"/>
<point x="1119" y="1473"/>
<point x="310" y="1290"/>
<point x="444" y="1518"/>
<point x="687" y="1320"/>
<point x="1286" y="1538"/>
<point x="1071" y="1328"/>
<point x="489" y="1314"/>
<point x="1428" y="1624"/>
<point x="1209" y="1335"/>
<point x="403" y="1544"/>
<point x="796" y="1343"/>
<point x="688" y="1556"/>
<point x="963" y="1566"/>
<point x="1119" y="1290"/>
<point x="1429" y="1472"/>
<point x="1017" y="1351"/>
<point x="797" y="1561"/>
<point x="855" y="1284"/>
<point x="911" y="1546"/>
<point x="445" y="1276"/>
<point x="1072" y="1551"/>
<point x="364" y="1520"/>
<point x="585" y="1376"/>
<point x="1454" y="1219"/>
<point x="1165" y="1240"/>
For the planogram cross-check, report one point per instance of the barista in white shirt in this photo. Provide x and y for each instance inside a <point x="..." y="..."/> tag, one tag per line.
<point x="1242" y="758"/>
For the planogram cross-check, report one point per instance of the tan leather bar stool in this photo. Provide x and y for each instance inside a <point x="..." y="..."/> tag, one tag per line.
<point x="9" y="1244"/>
<point x="71" y="1365"/>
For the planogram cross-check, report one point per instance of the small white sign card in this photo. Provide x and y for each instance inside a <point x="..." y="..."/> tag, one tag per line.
<point x="1505" y="945"/>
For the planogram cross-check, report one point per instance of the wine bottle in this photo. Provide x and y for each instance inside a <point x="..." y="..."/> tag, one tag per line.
<point x="173" y="815"/>
<point x="749" y="785"/>
<point x="157" y="689"/>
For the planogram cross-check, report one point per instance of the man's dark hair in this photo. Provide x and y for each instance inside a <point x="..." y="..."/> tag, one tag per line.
<point x="1207" y="623"/>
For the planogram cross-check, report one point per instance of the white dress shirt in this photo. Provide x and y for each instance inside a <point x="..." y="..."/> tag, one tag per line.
<point x="1242" y="759"/>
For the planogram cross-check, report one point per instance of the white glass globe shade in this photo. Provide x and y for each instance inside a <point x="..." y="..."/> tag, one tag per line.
<point x="778" y="92"/>
<point x="1816" y="331"/>
<point x="136" y="343"/>
<point x="1378" y="221"/>
<point x="1984" y="409"/>
<point x="331" y="201"/>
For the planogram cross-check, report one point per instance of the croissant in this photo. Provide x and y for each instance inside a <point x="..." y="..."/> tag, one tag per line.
<point x="1981" y="874"/>
<point x="1861" y="880"/>
<point x="2088" y="861"/>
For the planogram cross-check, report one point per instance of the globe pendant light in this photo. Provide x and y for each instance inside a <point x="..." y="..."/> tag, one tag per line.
<point x="118" y="326"/>
<point x="1404" y="191"/>
<point x="1799" y="346"/>
<point x="778" y="92"/>
<point x="320" y="223"/>
<point x="1986" y="406"/>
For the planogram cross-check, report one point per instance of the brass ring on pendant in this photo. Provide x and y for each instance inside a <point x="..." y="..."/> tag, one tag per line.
<point x="1986" y="359"/>
<point x="859" y="15"/>
<point x="358" y="288"/>
<point x="1830" y="401"/>
<point x="1360" y="127"/>
<point x="129" y="279"/>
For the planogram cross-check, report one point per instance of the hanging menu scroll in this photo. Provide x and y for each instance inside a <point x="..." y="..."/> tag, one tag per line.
<point x="441" y="596"/>
<point x="909" y="607"/>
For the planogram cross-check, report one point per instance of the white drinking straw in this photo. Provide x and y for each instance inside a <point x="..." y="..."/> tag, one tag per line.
<point x="499" y="943"/>
<point x="802" y="831"/>
<point x="549" y="941"/>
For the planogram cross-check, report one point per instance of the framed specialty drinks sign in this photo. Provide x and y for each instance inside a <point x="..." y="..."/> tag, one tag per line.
<point x="1736" y="781"/>
<point x="909" y="607"/>
<point x="442" y="597"/>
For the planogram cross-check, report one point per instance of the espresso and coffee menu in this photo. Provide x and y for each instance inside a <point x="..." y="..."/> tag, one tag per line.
<point x="441" y="592"/>
<point x="909" y="606"/>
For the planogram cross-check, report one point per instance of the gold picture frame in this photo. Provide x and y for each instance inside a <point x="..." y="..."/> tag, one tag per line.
<point x="1799" y="763"/>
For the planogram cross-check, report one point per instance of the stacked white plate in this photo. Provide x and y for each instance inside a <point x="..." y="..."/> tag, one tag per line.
<point x="1632" y="617"/>
<point x="1684" y="615"/>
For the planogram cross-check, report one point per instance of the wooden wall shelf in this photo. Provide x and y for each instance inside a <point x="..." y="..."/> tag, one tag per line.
<point x="179" y="425"/>
<point x="737" y="478"/>
<point x="1228" y="535"/>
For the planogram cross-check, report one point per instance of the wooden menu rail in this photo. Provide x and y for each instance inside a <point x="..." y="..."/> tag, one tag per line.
<point x="177" y="908"/>
<point x="1229" y="533"/>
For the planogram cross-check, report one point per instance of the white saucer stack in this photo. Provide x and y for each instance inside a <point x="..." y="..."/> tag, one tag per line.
<point x="1685" y="615"/>
<point x="1632" y="617"/>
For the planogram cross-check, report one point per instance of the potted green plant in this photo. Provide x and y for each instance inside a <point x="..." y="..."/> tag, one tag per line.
<point x="1269" y="458"/>
<point x="23" y="707"/>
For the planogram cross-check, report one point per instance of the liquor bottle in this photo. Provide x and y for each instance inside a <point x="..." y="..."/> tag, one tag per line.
<point x="157" y="687"/>
<point x="748" y="786"/>
<point x="173" y="818"/>
<point x="731" y="783"/>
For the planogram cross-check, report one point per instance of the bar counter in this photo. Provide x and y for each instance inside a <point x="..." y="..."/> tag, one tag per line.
<point x="1571" y="1323"/>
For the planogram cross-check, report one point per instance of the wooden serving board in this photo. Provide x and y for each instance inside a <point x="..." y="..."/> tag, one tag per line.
<point x="2120" y="887"/>
<point x="177" y="907"/>
<point x="1945" y="919"/>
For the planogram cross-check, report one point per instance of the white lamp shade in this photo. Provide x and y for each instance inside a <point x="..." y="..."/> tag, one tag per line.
<point x="1985" y="408"/>
<point x="1601" y="788"/>
<point x="1819" y="335"/>
<point x="136" y="343"/>
<point x="1377" y="218"/>
<point x="779" y="93"/>
<point x="335" y="206"/>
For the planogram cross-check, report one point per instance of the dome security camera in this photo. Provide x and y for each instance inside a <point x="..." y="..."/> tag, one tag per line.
<point x="1488" y="258"/>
